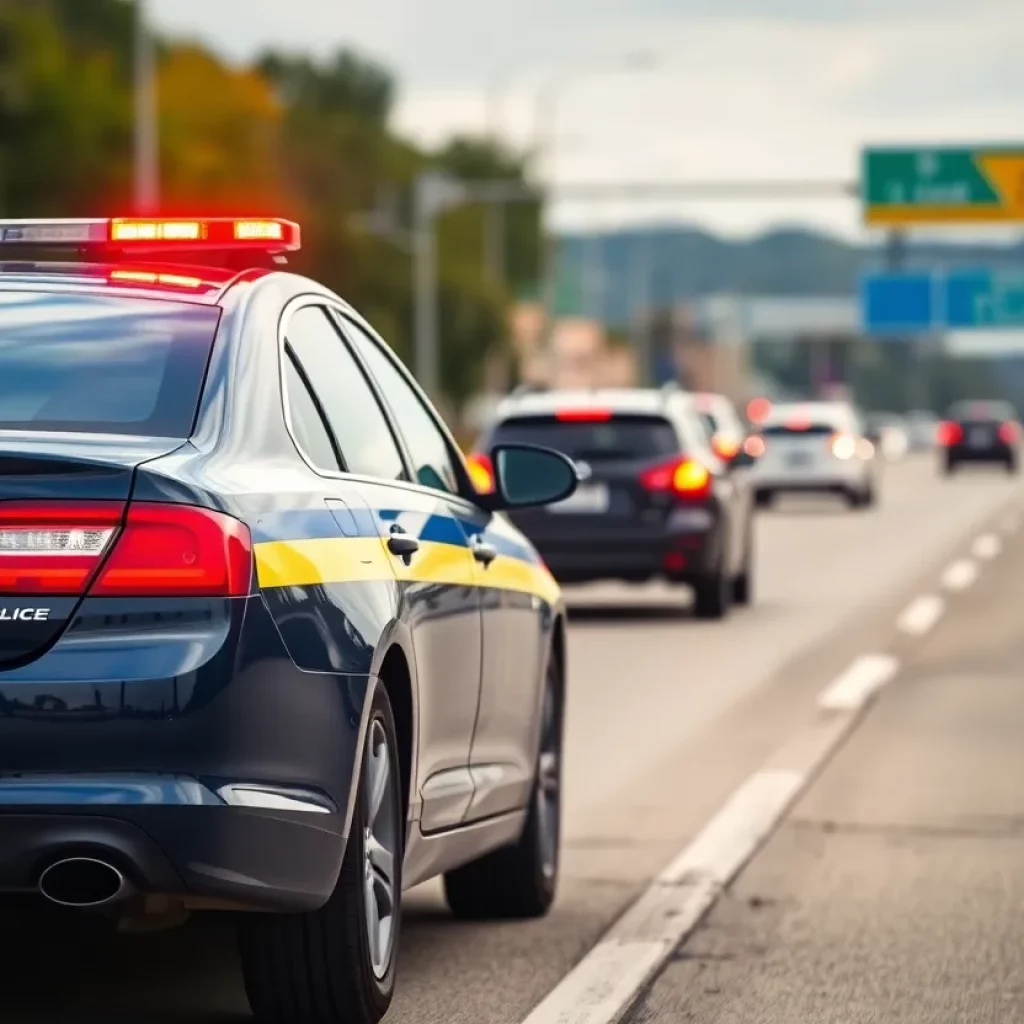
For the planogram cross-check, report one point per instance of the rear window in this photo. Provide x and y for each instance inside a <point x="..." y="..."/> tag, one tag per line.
<point x="98" y="364"/>
<point x="982" y="411"/>
<point x="622" y="437"/>
<point x="808" y="430"/>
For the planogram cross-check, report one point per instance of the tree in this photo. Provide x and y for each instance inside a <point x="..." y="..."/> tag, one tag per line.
<point x="65" y="119"/>
<point x="220" y="136"/>
<point x="464" y="232"/>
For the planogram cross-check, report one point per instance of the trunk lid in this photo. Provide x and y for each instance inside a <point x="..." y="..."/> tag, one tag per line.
<point x="62" y="498"/>
<point x="795" y="449"/>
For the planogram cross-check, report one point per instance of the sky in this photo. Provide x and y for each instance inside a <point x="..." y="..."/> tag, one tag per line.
<point x="669" y="90"/>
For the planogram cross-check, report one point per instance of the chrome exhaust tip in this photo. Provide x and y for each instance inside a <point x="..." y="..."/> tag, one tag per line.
<point x="82" y="882"/>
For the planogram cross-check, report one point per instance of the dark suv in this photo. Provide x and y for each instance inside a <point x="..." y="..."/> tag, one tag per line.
<point x="980" y="432"/>
<point x="654" y="501"/>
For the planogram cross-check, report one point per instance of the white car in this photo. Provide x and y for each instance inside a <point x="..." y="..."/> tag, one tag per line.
<point x="814" y="447"/>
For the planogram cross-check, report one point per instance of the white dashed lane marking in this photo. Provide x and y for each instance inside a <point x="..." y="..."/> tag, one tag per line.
<point x="960" y="575"/>
<point x="921" y="614"/>
<point x="856" y="685"/>
<point x="988" y="545"/>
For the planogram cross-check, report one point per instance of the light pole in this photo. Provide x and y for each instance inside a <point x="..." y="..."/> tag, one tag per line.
<point x="545" y="137"/>
<point x="434" y="193"/>
<point x="147" y="170"/>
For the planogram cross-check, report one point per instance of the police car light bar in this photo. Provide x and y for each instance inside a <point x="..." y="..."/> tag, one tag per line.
<point x="143" y="234"/>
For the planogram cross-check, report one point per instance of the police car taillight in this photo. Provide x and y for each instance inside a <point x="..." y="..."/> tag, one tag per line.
<point x="152" y="550"/>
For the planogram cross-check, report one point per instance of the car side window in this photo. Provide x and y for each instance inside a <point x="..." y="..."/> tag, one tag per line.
<point x="307" y="420"/>
<point x="433" y="465"/>
<point x="356" y="418"/>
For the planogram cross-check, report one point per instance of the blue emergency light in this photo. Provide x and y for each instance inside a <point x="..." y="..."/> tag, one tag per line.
<point x="154" y="235"/>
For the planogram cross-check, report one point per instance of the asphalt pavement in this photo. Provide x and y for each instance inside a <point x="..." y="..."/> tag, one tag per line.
<point x="893" y="890"/>
<point x="667" y="717"/>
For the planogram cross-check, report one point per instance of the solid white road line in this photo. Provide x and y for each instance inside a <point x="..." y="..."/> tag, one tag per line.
<point x="603" y="986"/>
<point x="920" y="615"/>
<point x="987" y="545"/>
<point x="960" y="575"/>
<point x="864" y="677"/>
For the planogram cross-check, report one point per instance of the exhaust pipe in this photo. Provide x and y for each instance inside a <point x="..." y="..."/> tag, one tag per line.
<point x="82" y="882"/>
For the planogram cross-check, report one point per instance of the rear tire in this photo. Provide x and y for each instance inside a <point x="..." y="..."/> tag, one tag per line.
<point x="712" y="596"/>
<point x="764" y="499"/>
<point x="519" y="882"/>
<point x="323" y="967"/>
<point x="743" y="585"/>
<point x="948" y="467"/>
<point x="1012" y="466"/>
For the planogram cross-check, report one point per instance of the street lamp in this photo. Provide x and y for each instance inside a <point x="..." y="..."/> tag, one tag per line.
<point x="147" y="171"/>
<point x="545" y="138"/>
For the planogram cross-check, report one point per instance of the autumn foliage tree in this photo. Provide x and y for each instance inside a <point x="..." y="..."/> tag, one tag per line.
<point x="288" y="135"/>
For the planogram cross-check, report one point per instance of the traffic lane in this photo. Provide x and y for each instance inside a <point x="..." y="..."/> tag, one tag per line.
<point x="667" y="716"/>
<point x="652" y="678"/>
<point x="893" y="890"/>
<point x="483" y="973"/>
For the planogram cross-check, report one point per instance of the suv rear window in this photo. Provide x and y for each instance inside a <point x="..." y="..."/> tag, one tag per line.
<point x="984" y="411"/>
<point x="97" y="364"/>
<point x="622" y="437"/>
<point x="810" y="430"/>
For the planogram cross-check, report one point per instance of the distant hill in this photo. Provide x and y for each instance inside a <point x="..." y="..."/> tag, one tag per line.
<point x="685" y="262"/>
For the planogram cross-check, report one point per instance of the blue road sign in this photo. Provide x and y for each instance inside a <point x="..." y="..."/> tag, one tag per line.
<point x="984" y="299"/>
<point x="899" y="303"/>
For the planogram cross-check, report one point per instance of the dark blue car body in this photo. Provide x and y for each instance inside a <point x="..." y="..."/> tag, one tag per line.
<point x="210" y="747"/>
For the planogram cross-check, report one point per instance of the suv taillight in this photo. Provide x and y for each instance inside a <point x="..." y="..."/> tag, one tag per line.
<point x="949" y="433"/>
<point x="843" y="446"/>
<point x="150" y="550"/>
<point x="685" y="477"/>
<point x="1009" y="432"/>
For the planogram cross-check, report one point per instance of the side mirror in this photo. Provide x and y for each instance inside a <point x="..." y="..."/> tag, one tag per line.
<point x="526" y="475"/>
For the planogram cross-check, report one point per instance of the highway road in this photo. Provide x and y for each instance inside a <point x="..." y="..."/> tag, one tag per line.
<point x="667" y="718"/>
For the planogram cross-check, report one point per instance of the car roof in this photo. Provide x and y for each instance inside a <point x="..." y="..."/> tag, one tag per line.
<point x="181" y="282"/>
<point x="627" y="401"/>
<point x="809" y="410"/>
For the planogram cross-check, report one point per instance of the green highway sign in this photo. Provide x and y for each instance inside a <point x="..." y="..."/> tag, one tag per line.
<point x="945" y="185"/>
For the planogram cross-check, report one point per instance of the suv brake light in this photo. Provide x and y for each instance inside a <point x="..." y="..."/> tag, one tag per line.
<point x="843" y="446"/>
<point x="1009" y="432"/>
<point x="949" y="433"/>
<point x="684" y="477"/>
<point x="153" y="550"/>
<point x="583" y="415"/>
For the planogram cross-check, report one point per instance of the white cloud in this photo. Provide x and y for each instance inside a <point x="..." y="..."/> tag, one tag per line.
<point x="747" y="88"/>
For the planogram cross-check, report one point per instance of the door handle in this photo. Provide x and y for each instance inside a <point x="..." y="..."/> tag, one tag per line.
<point x="482" y="551"/>
<point x="402" y="544"/>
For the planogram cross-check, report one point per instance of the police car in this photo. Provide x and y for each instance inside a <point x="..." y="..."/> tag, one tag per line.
<point x="263" y="646"/>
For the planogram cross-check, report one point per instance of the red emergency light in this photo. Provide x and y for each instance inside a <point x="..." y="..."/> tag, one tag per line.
<point x="156" y="234"/>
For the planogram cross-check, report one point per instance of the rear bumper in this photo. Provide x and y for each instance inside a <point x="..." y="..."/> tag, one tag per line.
<point x="583" y="556"/>
<point x="254" y="858"/>
<point x="838" y="481"/>
<point x="228" y="778"/>
<point x="995" y="453"/>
